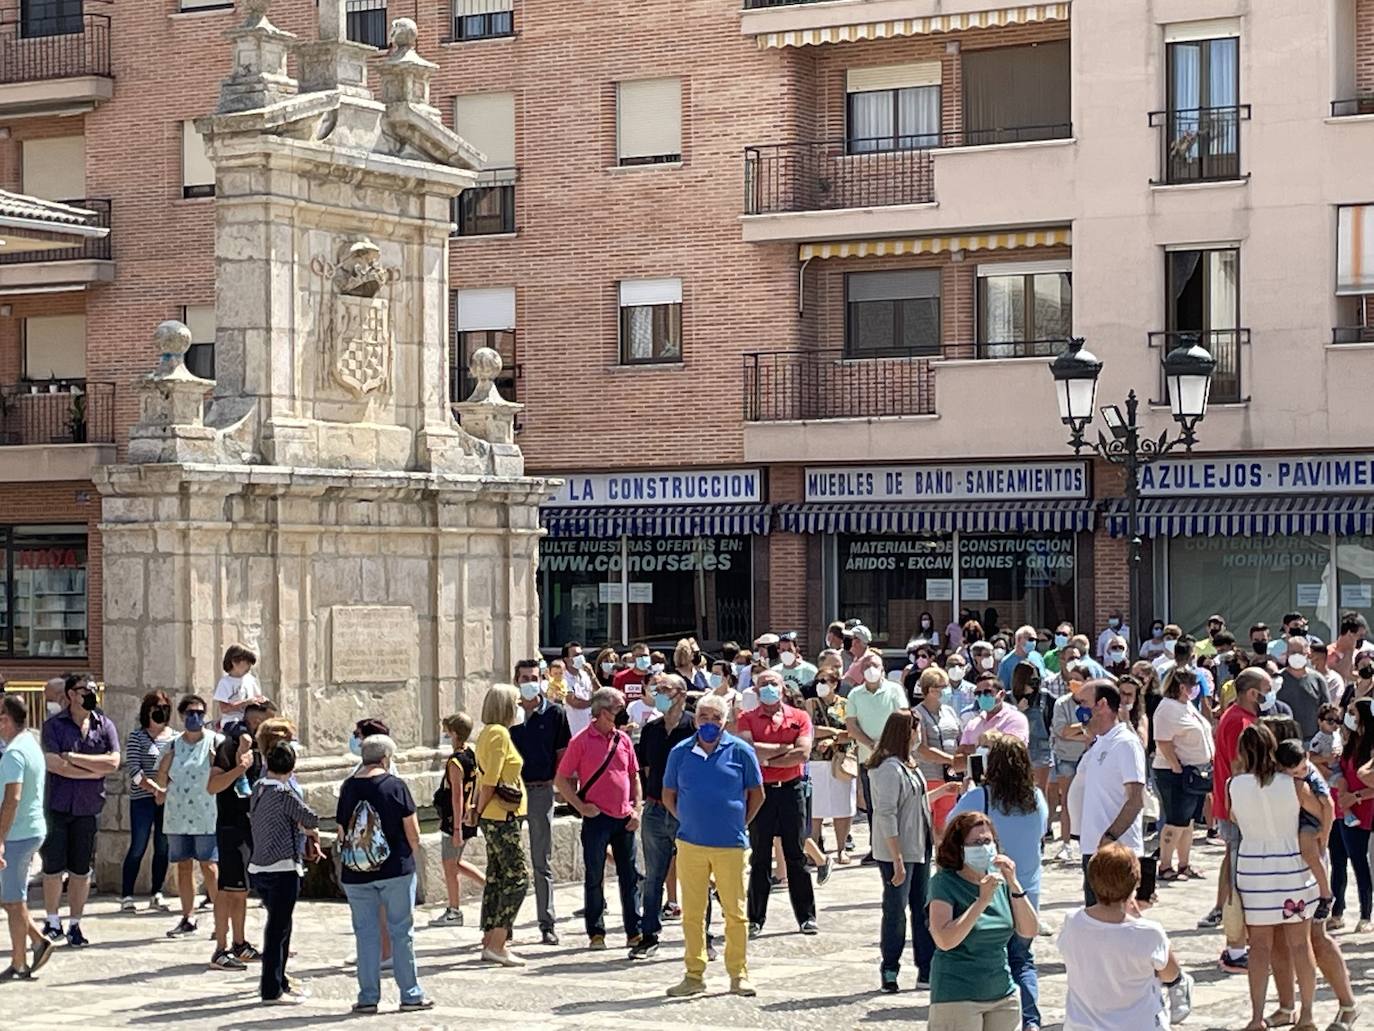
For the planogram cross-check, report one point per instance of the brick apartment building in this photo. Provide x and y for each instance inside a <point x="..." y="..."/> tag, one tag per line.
<point x="778" y="283"/>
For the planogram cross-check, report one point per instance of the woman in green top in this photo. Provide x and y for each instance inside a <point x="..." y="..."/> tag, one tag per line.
<point x="976" y="904"/>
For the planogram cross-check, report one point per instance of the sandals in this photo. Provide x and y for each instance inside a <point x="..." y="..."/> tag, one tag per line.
<point x="1192" y="873"/>
<point x="1345" y="1019"/>
<point x="1281" y="1018"/>
<point x="1168" y="874"/>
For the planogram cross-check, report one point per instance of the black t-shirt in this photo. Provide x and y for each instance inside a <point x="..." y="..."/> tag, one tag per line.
<point x="391" y="799"/>
<point x="231" y="805"/>
<point x="467" y="762"/>
<point x="655" y="742"/>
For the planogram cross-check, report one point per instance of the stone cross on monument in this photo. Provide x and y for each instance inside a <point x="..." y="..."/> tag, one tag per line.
<point x="325" y="507"/>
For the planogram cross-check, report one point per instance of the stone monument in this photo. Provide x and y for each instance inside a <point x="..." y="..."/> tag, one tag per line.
<point x="323" y="506"/>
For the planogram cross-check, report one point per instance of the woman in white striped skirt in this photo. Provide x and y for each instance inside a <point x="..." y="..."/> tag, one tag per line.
<point x="1277" y="891"/>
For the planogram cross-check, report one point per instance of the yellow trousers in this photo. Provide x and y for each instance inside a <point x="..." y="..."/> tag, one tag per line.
<point x="696" y="865"/>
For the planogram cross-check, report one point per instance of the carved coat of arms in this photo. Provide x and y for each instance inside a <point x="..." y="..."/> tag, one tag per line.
<point x="356" y="321"/>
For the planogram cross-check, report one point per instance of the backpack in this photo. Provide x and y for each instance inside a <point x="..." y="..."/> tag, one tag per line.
<point x="363" y="847"/>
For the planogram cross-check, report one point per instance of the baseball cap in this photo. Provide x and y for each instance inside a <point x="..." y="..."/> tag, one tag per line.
<point x="859" y="630"/>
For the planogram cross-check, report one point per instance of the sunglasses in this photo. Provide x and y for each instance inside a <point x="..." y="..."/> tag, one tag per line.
<point x="983" y="694"/>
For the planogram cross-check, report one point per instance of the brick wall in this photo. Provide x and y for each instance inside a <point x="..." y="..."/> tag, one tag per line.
<point x="789" y="585"/>
<point x="1364" y="47"/>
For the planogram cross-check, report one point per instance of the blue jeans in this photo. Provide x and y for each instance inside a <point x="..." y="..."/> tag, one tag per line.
<point x="909" y="895"/>
<point x="145" y="825"/>
<point x="365" y="903"/>
<point x="659" y="828"/>
<point x="598" y="832"/>
<point x="1023" y="972"/>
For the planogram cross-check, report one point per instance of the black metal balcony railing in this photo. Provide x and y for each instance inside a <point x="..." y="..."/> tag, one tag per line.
<point x="488" y="208"/>
<point x="482" y="19"/>
<point x="89" y="248"/>
<point x="828" y="384"/>
<point x="1353" y="106"/>
<point x="1010" y="134"/>
<point x="33" y="413"/>
<point x="1200" y="144"/>
<point x="1225" y="345"/>
<point x="827" y="176"/>
<point x="30" y="51"/>
<point x="1050" y="348"/>
<point x="1353" y="335"/>
<point x="754" y="5"/>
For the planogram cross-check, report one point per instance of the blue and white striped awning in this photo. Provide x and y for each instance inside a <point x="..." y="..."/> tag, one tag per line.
<point x="1351" y="514"/>
<point x="657" y="521"/>
<point x="966" y="517"/>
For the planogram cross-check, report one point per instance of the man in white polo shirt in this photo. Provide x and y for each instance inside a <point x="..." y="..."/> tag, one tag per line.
<point x="1110" y="782"/>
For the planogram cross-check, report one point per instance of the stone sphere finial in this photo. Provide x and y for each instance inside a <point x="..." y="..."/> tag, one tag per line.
<point x="172" y="338"/>
<point x="256" y="10"/>
<point x="404" y="33"/>
<point x="485" y="364"/>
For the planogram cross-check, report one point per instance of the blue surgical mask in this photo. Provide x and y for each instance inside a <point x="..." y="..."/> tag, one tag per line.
<point x="607" y="668"/>
<point x="1271" y="698"/>
<point x="946" y="695"/>
<point x="739" y="668"/>
<point x="1115" y="655"/>
<point x="980" y="857"/>
<point x="662" y="702"/>
<point x="529" y="690"/>
<point x="1114" y="622"/>
<point x="641" y="662"/>
<point x="709" y="732"/>
<point x="1060" y="640"/>
<point x="770" y="694"/>
<point x="1083" y="713"/>
<point x="194" y="721"/>
<point x="987" y="702"/>
<point x="714" y="680"/>
<point x="355" y="746"/>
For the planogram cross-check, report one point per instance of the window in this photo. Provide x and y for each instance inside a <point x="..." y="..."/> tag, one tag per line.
<point x="1024" y="308"/>
<point x="43" y="571"/>
<point x="365" y="22"/>
<point x="1202" y="124"/>
<point x="483" y="19"/>
<point x="55" y="168"/>
<point x="1355" y="274"/>
<point x="1015" y="94"/>
<point x="650" y="321"/>
<point x="893" y="313"/>
<point x="205" y="5"/>
<point x="49" y="17"/>
<point x="487" y="121"/>
<point x="197" y="173"/>
<point x="483" y="318"/>
<point x="200" y="320"/>
<point x="55" y="348"/>
<point x="1203" y="288"/>
<point x="896" y="107"/>
<point x="649" y="121"/>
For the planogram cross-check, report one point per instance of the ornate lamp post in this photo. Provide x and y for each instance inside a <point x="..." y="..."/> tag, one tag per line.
<point x="1188" y="372"/>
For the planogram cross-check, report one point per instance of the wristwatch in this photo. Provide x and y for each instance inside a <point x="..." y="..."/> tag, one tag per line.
<point x="1109" y="835"/>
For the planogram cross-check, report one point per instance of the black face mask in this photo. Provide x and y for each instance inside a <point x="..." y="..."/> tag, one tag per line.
<point x="160" y="714"/>
<point x="89" y="701"/>
<point x="1259" y="645"/>
<point x="1366" y="672"/>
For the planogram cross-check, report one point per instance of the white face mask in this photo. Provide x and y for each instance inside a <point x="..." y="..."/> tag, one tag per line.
<point x="54" y="708"/>
<point x="872" y="674"/>
<point x="1352" y="722"/>
<point x="1298" y="661"/>
<point x="986" y="661"/>
<point x="1169" y="643"/>
<point x="578" y="661"/>
<point x="999" y="654"/>
<point x="822" y="690"/>
<point x="789" y="658"/>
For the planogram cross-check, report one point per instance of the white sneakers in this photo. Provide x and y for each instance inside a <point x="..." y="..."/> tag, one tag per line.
<point x="505" y="959"/>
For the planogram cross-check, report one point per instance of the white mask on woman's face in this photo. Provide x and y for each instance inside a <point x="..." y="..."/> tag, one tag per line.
<point x="873" y="674"/>
<point x="1352" y="722"/>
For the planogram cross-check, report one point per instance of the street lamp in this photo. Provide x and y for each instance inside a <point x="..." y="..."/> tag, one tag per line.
<point x="1188" y="372"/>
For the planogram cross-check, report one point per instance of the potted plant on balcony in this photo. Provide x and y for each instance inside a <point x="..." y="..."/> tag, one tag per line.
<point x="76" y="418"/>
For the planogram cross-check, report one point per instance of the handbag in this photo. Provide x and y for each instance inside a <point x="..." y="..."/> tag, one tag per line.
<point x="844" y="766"/>
<point x="1197" y="780"/>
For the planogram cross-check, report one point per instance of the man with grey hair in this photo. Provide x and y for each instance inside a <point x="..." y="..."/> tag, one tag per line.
<point x="1024" y="651"/>
<point x="599" y="776"/>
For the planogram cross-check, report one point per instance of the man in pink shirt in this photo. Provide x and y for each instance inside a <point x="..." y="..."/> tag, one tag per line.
<point x="993" y="714"/>
<point x="599" y="777"/>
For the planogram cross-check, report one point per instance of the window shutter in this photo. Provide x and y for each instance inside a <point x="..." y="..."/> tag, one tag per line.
<point x="196" y="169"/>
<point x="893" y="76"/>
<point x="1215" y="28"/>
<point x="649" y="118"/>
<point x="55" y="347"/>
<point x="55" y="169"/>
<point x="472" y="8"/>
<point x="894" y="286"/>
<point x="491" y="308"/>
<point x="1355" y="249"/>
<point x="487" y="121"/>
<point x="1025" y="268"/>
<point x="635" y="293"/>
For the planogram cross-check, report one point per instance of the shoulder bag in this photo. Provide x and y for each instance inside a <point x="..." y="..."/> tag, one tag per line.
<point x="610" y="754"/>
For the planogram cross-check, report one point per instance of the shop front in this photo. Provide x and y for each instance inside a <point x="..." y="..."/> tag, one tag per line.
<point x="651" y="556"/>
<point x="999" y="539"/>
<point x="1256" y="536"/>
<point x="43" y="597"/>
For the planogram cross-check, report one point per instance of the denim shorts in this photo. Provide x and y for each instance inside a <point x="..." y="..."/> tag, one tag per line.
<point x="203" y="848"/>
<point x="14" y="878"/>
<point x="1064" y="768"/>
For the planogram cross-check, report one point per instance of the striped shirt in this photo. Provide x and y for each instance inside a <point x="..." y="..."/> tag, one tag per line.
<point x="141" y="756"/>
<point x="277" y="814"/>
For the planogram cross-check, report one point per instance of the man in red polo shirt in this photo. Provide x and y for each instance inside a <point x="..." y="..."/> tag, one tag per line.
<point x="630" y="682"/>
<point x="781" y="738"/>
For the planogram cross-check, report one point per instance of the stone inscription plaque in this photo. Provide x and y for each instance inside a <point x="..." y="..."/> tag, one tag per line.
<point x="373" y="644"/>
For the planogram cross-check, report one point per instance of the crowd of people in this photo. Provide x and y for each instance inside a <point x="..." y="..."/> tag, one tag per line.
<point x="707" y="782"/>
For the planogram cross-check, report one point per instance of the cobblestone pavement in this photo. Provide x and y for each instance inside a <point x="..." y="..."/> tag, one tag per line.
<point x="133" y="976"/>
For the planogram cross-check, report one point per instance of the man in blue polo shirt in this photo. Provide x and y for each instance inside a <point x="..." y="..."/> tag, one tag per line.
<point x="713" y="787"/>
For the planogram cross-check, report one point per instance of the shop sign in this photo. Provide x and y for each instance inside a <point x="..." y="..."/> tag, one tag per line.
<point x="984" y="481"/>
<point x="641" y="555"/>
<point x="1267" y="474"/>
<point x="686" y="487"/>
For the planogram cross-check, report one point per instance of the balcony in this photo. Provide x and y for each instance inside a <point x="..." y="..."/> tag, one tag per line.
<point x="800" y="386"/>
<point x="1353" y="107"/>
<point x="1200" y="144"/>
<point x="487" y="209"/>
<point x="1353" y="335"/>
<point x="50" y="432"/>
<point x="837" y="174"/>
<point x="482" y="19"/>
<point x="758" y="5"/>
<point x="993" y="350"/>
<point x="57" y="67"/>
<point x="1224" y="345"/>
<point x="54" y="245"/>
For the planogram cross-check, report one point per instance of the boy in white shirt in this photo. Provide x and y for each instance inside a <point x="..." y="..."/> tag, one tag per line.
<point x="238" y="687"/>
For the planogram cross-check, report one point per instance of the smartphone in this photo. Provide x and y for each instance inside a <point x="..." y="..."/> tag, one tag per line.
<point x="1149" y="867"/>
<point x="977" y="767"/>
